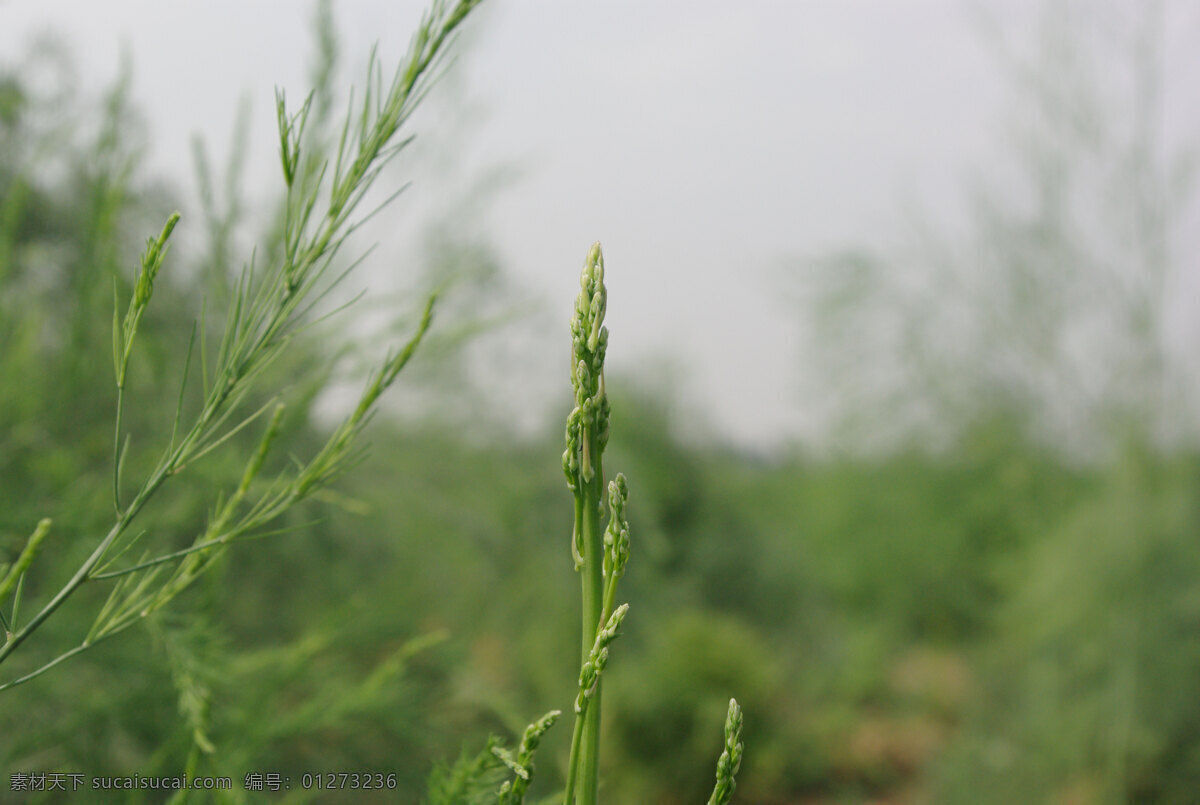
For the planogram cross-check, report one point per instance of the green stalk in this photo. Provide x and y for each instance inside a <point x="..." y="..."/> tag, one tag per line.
<point x="593" y="608"/>
<point x="589" y="688"/>
<point x="601" y="556"/>
<point x="587" y="435"/>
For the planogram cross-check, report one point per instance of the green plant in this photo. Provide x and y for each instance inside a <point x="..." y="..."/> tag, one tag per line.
<point x="587" y="436"/>
<point x="600" y="556"/>
<point x="731" y="757"/>
<point x="268" y="309"/>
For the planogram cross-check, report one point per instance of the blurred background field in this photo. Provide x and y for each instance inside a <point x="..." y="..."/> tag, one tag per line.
<point x="915" y="471"/>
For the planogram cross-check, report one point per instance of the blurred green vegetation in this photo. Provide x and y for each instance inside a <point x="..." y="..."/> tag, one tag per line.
<point x="993" y="621"/>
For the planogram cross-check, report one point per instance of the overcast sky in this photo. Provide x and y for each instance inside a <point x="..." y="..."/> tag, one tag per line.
<point x="705" y="144"/>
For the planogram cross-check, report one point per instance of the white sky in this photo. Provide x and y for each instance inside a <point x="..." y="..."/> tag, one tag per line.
<point x="703" y="143"/>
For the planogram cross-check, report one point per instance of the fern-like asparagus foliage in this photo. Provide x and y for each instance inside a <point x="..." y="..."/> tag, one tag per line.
<point x="269" y="307"/>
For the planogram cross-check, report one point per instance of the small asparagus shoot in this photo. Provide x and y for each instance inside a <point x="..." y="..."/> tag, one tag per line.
<point x="731" y="757"/>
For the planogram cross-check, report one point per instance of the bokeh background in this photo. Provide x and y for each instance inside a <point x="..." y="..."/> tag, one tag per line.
<point x="903" y="302"/>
